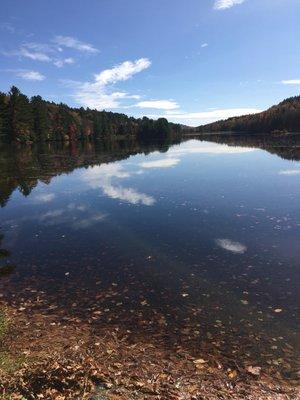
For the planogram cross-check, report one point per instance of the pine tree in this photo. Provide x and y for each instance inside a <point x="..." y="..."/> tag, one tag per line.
<point x="4" y="115"/>
<point x="20" y="116"/>
<point x="40" y="117"/>
<point x="39" y="120"/>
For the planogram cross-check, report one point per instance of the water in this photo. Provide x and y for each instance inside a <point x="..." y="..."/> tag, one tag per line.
<point x="196" y="241"/>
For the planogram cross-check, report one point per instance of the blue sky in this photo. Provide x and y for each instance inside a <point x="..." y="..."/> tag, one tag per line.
<point x="192" y="61"/>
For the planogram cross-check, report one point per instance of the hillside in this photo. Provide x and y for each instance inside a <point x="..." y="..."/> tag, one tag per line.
<point x="284" y="117"/>
<point x="30" y="120"/>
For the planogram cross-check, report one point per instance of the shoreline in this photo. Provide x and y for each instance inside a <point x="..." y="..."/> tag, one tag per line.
<point x="73" y="359"/>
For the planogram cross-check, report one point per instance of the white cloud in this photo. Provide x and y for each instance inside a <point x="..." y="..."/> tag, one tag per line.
<point x="89" y="96"/>
<point x="33" y="55"/>
<point x="31" y="75"/>
<point x="61" y="63"/>
<point x="229" y="245"/>
<point x="102" y="176"/>
<point x="158" y="104"/>
<point x="204" y="45"/>
<point x="164" y="163"/>
<point x="73" y="43"/>
<point x="122" y="72"/>
<point x="42" y="47"/>
<point x="44" y="198"/>
<point x="51" y="52"/>
<point x="224" y="4"/>
<point x="289" y="172"/>
<point x="291" y="82"/>
<point x="40" y="52"/>
<point x="96" y="94"/>
<point x="202" y="118"/>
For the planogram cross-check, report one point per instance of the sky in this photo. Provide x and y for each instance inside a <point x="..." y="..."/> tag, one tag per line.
<point x="192" y="61"/>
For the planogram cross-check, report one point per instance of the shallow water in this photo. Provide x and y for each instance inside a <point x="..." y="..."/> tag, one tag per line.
<point x="199" y="237"/>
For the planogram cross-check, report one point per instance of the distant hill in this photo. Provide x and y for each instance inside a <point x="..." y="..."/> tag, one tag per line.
<point x="284" y="117"/>
<point x="30" y="120"/>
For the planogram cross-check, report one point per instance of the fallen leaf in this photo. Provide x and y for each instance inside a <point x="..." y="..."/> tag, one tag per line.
<point x="232" y="374"/>
<point x="199" y="361"/>
<point x="253" y="370"/>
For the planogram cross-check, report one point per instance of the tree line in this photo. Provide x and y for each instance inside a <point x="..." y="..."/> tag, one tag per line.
<point x="284" y="117"/>
<point x="24" y="119"/>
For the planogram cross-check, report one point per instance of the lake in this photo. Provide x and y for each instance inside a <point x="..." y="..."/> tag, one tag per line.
<point x="198" y="241"/>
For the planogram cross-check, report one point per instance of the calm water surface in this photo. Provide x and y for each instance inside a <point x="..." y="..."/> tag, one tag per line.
<point x="201" y="237"/>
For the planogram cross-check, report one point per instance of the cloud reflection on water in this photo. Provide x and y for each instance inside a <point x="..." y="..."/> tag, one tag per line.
<point x="229" y="245"/>
<point x="289" y="172"/>
<point x="44" y="197"/>
<point x="101" y="177"/>
<point x="196" y="147"/>
<point x="163" y="163"/>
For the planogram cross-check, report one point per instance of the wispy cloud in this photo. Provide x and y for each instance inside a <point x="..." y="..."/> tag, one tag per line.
<point x="201" y="118"/>
<point x="52" y="51"/>
<point x="62" y="62"/>
<point x="98" y="94"/>
<point x="40" y="47"/>
<point x="233" y="247"/>
<point x="36" y="52"/>
<point x="289" y="172"/>
<point x="73" y="43"/>
<point x="28" y="52"/>
<point x="70" y="216"/>
<point x="158" y="104"/>
<point x="204" y="45"/>
<point x="85" y="223"/>
<point x="291" y="82"/>
<point x="224" y="4"/>
<point x="31" y="75"/>
<point x="44" y="198"/>
<point x="7" y="26"/>
<point x="51" y="214"/>
<point x="164" y="163"/>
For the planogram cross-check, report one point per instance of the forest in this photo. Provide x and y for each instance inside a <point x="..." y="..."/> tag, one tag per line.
<point x="34" y="119"/>
<point x="281" y="118"/>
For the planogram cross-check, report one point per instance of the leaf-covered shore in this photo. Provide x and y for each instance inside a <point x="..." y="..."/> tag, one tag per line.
<point x="71" y="361"/>
<point x="57" y="355"/>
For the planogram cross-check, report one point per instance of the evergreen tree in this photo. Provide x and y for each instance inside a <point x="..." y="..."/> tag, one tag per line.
<point x="4" y="115"/>
<point x="40" y="117"/>
<point x="20" y="116"/>
<point x="162" y="128"/>
<point x="39" y="120"/>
